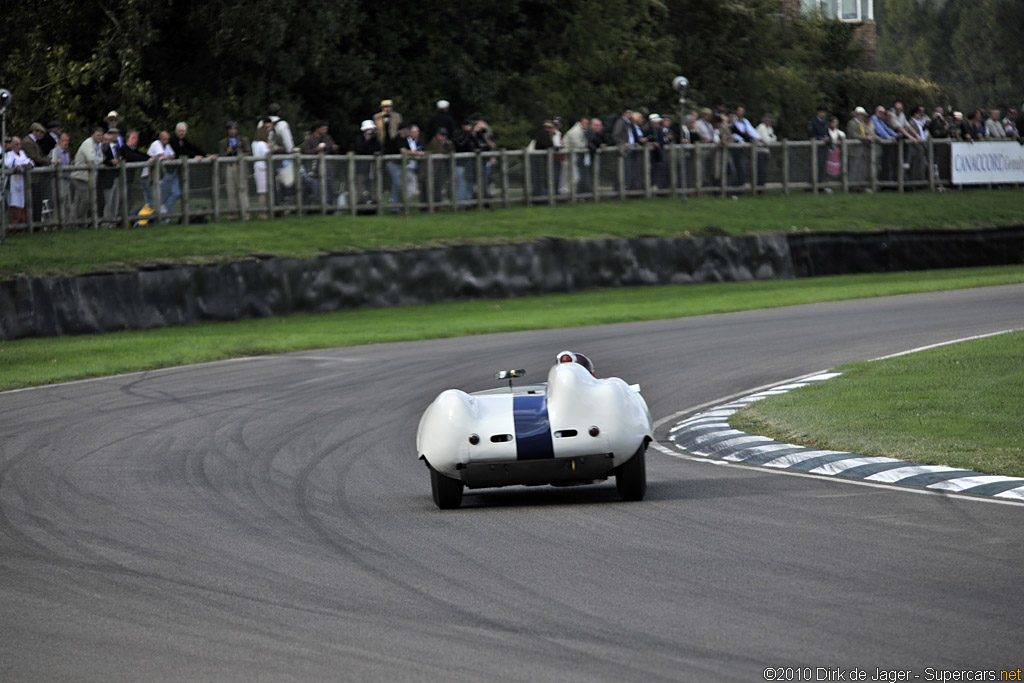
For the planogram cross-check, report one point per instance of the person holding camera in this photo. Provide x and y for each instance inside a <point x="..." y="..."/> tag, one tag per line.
<point x="484" y="143"/>
<point x="319" y="141"/>
<point x="465" y="176"/>
<point x="388" y="123"/>
<point x="233" y="145"/>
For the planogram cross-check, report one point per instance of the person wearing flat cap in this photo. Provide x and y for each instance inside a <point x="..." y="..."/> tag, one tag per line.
<point x="51" y="139"/>
<point x="30" y="145"/>
<point x="32" y="149"/>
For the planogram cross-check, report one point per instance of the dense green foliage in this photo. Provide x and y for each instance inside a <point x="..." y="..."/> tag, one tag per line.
<point x="515" y="61"/>
<point x="974" y="46"/>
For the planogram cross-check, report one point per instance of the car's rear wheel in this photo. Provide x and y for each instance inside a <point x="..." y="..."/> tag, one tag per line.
<point x="447" y="491"/>
<point x="631" y="476"/>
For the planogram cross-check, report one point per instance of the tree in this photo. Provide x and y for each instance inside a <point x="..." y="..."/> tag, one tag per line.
<point x="722" y="45"/>
<point x="908" y="36"/>
<point x="516" y="61"/>
<point x="972" y="45"/>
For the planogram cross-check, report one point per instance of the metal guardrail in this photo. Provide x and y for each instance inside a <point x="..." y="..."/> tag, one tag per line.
<point x="228" y="188"/>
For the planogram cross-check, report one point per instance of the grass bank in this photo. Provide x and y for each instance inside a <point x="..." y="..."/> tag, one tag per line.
<point x="29" y="362"/>
<point x="89" y="251"/>
<point x="957" y="405"/>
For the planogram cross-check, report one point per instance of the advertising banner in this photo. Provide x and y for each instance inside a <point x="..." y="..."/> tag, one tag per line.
<point x="980" y="163"/>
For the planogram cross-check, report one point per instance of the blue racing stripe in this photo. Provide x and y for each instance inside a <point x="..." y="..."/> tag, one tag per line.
<point x="533" y="428"/>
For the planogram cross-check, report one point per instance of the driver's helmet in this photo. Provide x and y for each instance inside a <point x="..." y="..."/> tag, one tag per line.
<point x="573" y="357"/>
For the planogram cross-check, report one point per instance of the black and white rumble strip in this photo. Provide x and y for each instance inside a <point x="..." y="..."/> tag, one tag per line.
<point x="708" y="434"/>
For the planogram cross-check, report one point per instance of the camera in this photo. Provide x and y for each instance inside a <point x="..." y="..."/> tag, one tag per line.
<point x="680" y="83"/>
<point x="5" y="98"/>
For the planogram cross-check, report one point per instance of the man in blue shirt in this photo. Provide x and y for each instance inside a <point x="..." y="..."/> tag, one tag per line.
<point x="885" y="133"/>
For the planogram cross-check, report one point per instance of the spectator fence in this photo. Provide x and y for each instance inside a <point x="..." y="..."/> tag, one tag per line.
<point x="225" y="188"/>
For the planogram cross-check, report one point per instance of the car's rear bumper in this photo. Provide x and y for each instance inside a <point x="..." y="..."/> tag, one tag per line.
<point x="557" y="471"/>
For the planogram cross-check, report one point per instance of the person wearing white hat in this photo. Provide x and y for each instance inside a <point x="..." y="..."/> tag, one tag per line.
<point x="442" y="119"/>
<point x="861" y="130"/>
<point x="113" y="121"/>
<point x="366" y="144"/>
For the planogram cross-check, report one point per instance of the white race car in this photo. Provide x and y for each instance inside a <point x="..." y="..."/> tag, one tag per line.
<point x="574" y="429"/>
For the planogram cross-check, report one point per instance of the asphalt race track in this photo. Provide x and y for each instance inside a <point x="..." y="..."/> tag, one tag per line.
<point x="267" y="519"/>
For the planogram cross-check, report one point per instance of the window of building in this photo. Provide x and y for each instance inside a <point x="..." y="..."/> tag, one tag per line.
<point x="844" y="10"/>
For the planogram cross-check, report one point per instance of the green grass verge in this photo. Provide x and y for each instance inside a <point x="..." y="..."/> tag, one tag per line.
<point x="957" y="405"/>
<point x="33" y="361"/>
<point x="85" y="251"/>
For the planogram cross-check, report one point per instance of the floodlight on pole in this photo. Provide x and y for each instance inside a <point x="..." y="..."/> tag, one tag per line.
<point x="680" y="84"/>
<point x="5" y="101"/>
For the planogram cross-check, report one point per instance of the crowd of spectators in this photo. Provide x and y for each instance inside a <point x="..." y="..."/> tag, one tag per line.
<point x="893" y="124"/>
<point x="633" y="133"/>
<point x="731" y="128"/>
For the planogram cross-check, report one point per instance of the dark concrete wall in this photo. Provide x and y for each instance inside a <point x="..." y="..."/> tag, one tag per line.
<point x="280" y="286"/>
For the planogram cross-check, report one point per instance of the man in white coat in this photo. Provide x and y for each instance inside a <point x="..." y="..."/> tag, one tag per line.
<point x="18" y="164"/>
<point x="89" y="154"/>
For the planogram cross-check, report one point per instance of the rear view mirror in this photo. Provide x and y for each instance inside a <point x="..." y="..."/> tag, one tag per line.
<point x="509" y="374"/>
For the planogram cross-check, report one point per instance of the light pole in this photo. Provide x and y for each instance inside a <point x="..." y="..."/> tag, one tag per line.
<point x="5" y="99"/>
<point x="680" y="84"/>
